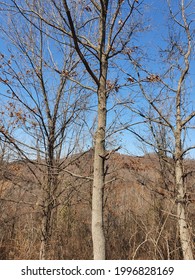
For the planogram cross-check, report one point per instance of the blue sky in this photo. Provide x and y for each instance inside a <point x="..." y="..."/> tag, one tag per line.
<point x="150" y="40"/>
<point x="156" y="38"/>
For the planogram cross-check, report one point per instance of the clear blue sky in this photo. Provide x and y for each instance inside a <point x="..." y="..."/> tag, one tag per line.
<point x="156" y="12"/>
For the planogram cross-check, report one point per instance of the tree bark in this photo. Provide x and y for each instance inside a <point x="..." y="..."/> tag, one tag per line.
<point x="99" y="174"/>
<point x="45" y="230"/>
<point x="48" y="200"/>
<point x="184" y="231"/>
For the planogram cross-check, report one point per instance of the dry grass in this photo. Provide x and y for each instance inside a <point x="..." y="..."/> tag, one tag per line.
<point x="140" y="221"/>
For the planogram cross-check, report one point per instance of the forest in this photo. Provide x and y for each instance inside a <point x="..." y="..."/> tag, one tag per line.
<point x="97" y="119"/>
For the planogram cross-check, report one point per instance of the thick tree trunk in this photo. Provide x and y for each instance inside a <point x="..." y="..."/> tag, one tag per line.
<point x="99" y="174"/>
<point x="184" y="232"/>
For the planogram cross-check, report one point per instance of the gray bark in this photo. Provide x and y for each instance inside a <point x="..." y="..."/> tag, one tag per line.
<point x="99" y="174"/>
<point x="184" y="231"/>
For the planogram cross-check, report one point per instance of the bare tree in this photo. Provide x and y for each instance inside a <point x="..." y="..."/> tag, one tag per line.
<point x="43" y="105"/>
<point x="100" y="31"/>
<point x="168" y="113"/>
<point x="105" y="18"/>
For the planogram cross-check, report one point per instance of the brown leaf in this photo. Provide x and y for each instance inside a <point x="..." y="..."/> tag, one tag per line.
<point x="153" y="78"/>
<point x="131" y="79"/>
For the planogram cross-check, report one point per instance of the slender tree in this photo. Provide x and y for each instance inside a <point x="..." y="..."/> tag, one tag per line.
<point x="43" y="105"/>
<point x="111" y="39"/>
<point x="168" y="113"/>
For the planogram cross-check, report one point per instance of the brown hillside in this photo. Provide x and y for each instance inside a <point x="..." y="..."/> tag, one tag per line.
<point x="139" y="210"/>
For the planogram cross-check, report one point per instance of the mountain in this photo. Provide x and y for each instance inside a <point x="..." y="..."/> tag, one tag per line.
<point x="139" y="208"/>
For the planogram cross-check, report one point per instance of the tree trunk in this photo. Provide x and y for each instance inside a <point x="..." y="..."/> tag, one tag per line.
<point x="99" y="174"/>
<point x="48" y="211"/>
<point x="185" y="237"/>
<point x="45" y="230"/>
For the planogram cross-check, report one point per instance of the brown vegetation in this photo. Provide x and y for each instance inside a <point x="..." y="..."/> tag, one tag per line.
<point x="140" y="217"/>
